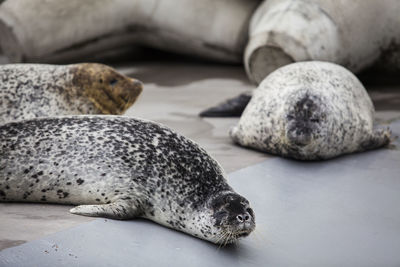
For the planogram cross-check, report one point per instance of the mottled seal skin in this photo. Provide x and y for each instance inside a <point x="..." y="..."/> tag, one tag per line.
<point x="310" y="111"/>
<point x="39" y="90"/>
<point x="121" y="167"/>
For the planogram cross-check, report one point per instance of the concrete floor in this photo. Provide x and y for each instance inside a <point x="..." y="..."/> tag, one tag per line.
<point x="174" y="94"/>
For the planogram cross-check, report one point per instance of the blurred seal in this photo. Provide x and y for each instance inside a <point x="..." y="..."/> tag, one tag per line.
<point x="39" y="90"/>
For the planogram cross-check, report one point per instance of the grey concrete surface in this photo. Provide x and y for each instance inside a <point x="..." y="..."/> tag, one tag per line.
<point x="174" y="94"/>
<point x="342" y="212"/>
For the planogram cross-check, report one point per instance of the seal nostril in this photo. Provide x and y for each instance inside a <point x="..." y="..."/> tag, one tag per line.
<point x="247" y="217"/>
<point x="239" y="218"/>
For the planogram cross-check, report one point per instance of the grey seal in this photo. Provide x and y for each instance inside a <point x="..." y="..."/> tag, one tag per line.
<point x="120" y="167"/>
<point x="310" y="111"/>
<point x="42" y="90"/>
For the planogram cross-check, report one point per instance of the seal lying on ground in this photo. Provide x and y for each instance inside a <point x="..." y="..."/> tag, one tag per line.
<point x="36" y="90"/>
<point x="310" y="111"/>
<point x="120" y="167"/>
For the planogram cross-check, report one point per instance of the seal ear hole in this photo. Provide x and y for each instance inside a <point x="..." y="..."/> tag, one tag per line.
<point x="113" y="82"/>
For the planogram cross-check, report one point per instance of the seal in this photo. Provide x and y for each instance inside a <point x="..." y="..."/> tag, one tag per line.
<point x="120" y="167"/>
<point x="40" y="90"/>
<point x="310" y="111"/>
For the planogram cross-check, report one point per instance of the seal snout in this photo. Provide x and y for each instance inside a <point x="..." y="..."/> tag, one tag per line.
<point x="244" y="224"/>
<point x="242" y="218"/>
<point x="131" y="91"/>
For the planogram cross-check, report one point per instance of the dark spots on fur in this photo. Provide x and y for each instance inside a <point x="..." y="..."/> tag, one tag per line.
<point x="43" y="190"/>
<point x="26" y="171"/>
<point x="68" y="183"/>
<point x="26" y="194"/>
<point x="43" y="198"/>
<point x="97" y="199"/>
<point x="103" y="174"/>
<point x="303" y="120"/>
<point x="7" y="187"/>
<point x="61" y="194"/>
<point x="2" y="193"/>
<point x="80" y="181"/>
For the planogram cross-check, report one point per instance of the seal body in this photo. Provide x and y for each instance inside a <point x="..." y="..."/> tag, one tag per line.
<point x="120" y="167"/>
<point x="309" y="111"/>
<point x="39" y="90"/>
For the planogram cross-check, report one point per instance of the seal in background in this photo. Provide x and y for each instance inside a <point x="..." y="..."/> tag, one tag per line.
<point x="40" y="90"/>
<point x="310" y="111"/>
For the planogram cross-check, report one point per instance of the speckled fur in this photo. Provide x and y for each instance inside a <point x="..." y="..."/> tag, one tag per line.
<point x="310" y="111"/>
<point x="120" y="167"/>
<point x="39" y="90"/>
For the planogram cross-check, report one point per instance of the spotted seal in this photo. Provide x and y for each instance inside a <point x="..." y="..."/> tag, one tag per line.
<point x="121" y="167"/>
<point x="310" y="111"/>
<point x="41" y="90"/>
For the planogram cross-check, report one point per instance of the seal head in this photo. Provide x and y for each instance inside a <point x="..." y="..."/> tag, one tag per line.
<point x="110" y="91"/>
<point x="233" y="216"/>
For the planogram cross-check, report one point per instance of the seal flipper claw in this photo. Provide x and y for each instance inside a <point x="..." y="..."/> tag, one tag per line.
<point x="118" y="210"/>
<point x="232" y="107"/>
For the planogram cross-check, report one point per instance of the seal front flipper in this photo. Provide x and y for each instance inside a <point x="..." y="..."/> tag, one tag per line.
<point x="232" y="107"/>
<point x="121" y="210"/>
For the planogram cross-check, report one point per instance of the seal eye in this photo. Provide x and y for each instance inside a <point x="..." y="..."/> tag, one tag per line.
<point x="113" y="82"/>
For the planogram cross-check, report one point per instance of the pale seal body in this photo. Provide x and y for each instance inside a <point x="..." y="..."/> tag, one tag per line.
<point x="40" y="90"/>
<point x="120" y="167"/>
<point x="310" y="111"/>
